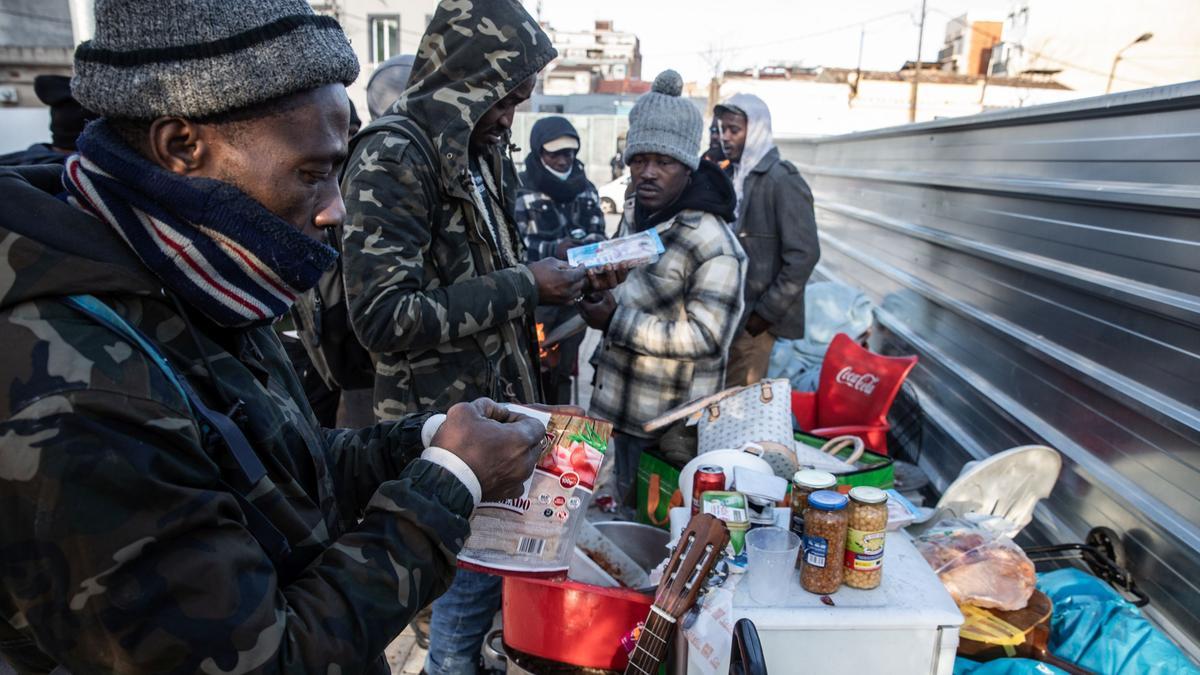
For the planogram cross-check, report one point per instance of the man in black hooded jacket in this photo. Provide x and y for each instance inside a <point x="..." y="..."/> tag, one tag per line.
<point x="557" y="208"/>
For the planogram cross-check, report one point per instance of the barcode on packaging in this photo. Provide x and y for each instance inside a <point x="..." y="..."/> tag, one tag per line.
<point x="531" y="546"/>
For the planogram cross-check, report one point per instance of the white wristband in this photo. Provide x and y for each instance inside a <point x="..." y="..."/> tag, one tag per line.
<point x="430" y="429"/>
<point x="454" y="464"/>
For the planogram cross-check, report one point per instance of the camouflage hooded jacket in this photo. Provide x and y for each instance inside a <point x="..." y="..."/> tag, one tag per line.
<point x="446" y="310"/>
<point x="123" y="548"/>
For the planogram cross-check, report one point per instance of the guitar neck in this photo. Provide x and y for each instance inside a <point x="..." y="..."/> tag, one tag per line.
<point x="652" y="643"/>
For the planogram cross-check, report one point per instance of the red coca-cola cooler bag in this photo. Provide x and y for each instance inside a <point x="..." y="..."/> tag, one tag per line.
<point x="855" y="391"/>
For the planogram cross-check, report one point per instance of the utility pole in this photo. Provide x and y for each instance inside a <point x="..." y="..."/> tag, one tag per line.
<point x="862" y="38"/>
<point x="715" y="58"/>
<point x="912" y="97"/>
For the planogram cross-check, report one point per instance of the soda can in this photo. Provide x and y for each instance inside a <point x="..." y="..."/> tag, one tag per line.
<point x="707" y="478"/>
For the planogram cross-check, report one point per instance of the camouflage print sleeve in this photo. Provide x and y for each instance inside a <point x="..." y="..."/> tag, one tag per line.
<point x="363" y="459"/>
<point x="393" y="305"/>
<point x="120" y="558"/>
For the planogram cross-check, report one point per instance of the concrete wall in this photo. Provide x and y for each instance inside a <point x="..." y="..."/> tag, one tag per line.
<point x="354" y="16"/>
<point x="36" y="23"/>
<point x="22" y="127"/>
<point x="806" y="108"/>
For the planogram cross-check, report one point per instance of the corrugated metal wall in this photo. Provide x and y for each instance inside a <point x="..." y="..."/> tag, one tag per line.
<point x="1045" y="265"/>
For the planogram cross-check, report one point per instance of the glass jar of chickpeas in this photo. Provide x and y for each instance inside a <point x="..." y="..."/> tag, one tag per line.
<point x="865" y="534"/>
<point x="804" y="483"/>
<point x="825" y="520"/>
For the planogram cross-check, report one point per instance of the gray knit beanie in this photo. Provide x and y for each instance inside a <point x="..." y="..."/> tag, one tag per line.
<point x="663" y="123"/>
<point x="195" y="58"/>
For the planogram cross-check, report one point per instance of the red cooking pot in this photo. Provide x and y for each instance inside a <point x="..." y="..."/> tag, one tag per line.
<point x="571" y="622"/>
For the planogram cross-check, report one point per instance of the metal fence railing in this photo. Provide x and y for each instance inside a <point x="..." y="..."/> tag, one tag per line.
<point x="1045" y="265"/>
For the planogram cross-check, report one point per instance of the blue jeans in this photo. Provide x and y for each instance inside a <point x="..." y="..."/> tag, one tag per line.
<point x="461" y="619"/>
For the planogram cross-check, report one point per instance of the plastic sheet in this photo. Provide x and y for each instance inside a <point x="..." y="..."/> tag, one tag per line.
<point x="977" y="567"/>
<point x="1094" y="627"/>
<point x="829" y="308"/>
<point x="1005" y="667"/>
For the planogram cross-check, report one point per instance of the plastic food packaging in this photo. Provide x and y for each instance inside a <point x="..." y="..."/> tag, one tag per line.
<point x="731" y="508"/>
<point x="642" y="248"/>
<point x="537" y="532"/>
<point x="977" y="567"/>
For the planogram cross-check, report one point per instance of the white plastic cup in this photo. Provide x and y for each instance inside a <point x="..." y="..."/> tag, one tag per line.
<point x="771" y="553"/>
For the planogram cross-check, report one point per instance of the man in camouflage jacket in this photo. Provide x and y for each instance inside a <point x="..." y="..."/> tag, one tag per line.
<point x="435" y="283"/>
<point x="435" y="279"/>
<point x="132" y="539"/>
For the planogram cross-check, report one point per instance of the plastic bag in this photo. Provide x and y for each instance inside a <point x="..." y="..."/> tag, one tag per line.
<point x="977" y="567"/>
<point x="829" y="308"/>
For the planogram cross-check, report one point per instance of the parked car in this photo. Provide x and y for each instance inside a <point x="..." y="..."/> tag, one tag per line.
<point x="612" y="195"/>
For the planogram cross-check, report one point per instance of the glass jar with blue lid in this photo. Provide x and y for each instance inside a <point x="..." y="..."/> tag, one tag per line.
<point x="824" y="543"/>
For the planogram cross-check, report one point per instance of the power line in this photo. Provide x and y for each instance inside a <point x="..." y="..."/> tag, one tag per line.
<point x="1041" y="55"/>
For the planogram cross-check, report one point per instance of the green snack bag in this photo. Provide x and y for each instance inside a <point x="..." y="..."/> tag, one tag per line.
<point x="731" y="508"/>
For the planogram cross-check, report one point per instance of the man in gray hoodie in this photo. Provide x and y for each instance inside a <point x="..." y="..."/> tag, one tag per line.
<point x="778" y="230"/>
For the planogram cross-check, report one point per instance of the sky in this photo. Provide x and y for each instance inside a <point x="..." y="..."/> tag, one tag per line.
<point x="689" y="35"/>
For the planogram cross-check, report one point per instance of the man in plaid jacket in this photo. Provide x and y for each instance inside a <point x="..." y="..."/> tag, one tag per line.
<point x="667" y="329"/>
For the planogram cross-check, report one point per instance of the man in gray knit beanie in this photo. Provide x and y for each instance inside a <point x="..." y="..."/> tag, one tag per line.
<point x="667" y="329"/>
<point x="170" y="503"/>
<point x="197" y="58"/>
<point x="663" y="123"/>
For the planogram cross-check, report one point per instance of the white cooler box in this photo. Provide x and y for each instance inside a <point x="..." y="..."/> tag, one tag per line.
<point x="907" y="626"/>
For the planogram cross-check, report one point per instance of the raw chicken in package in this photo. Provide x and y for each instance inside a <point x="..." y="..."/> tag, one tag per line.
<point x="536" y="532"/>
<point x="977" y="566"/>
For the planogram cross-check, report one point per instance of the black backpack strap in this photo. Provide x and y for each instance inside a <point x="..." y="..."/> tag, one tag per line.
<point x="405" y="126"/>
<point x="252" y="469"/>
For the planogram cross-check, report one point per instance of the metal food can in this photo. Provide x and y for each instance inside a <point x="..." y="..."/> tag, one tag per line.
<point x="707" y="479"/>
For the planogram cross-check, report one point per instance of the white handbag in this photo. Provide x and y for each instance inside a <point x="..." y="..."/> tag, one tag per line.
<point x="755" y="413"/>
<point x="758" y="413"/>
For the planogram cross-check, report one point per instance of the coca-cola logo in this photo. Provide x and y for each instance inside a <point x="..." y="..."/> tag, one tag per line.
<point x="864" y="382"/>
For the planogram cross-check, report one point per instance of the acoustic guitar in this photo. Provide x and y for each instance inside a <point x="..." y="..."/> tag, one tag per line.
<point x="700" y="547"/>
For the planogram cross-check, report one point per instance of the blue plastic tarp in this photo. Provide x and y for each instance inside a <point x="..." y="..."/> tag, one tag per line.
<point x="1096" y="629"/>
<point x="1004" y="667"/>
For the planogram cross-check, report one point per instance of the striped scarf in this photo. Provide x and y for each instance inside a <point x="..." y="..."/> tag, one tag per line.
<point x="219" y="249"/>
